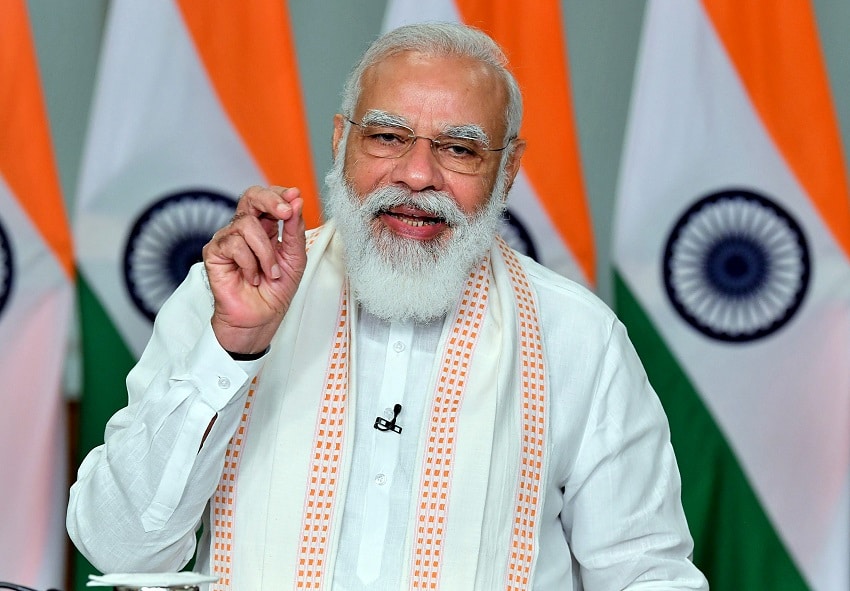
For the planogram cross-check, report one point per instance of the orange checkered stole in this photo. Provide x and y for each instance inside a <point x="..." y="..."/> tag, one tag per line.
<point x="275" y="514"/>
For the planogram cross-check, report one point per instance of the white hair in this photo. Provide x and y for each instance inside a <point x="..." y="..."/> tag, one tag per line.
<point x="439" y="39"/>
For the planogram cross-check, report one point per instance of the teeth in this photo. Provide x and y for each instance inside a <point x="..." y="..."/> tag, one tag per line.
<point x="416" y="222"/>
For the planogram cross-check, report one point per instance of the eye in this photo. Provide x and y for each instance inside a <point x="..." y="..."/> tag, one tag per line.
<point x="459" y="149"/>
<point x="386" y="136"/>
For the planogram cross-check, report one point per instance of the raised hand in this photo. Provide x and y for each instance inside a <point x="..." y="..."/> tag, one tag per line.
<point x="252" y="274"/>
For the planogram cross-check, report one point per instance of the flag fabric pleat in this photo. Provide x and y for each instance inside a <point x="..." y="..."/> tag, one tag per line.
<point x="731" y="269"/>
<point x="36" y="298"/>
<point x="194" y="102"/>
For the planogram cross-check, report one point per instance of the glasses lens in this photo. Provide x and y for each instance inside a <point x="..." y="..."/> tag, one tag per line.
<point x="459" y="154"/>
<point x="385" y="142"/>
<point x="453" y="153"/>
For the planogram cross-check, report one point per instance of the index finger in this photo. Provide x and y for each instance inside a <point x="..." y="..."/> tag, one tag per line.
<point x="272" y="202"/>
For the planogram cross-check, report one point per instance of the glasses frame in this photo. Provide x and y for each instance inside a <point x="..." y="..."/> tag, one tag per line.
<point x="434" y="143"/>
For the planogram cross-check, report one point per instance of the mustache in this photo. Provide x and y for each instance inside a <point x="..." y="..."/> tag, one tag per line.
<point x="434" y="203"/>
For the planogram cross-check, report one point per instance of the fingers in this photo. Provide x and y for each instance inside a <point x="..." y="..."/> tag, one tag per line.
<point x="229" y="249"/>
<point x="272" y="203"/>
<point x="250" y="240"/>
<point x="294" y="229"/>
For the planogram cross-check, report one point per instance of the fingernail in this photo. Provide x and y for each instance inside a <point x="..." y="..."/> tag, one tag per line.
<point x="256" y="279"/>
<point x="276" y="272"/>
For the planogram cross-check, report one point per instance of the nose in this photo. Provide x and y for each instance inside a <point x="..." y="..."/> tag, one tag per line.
<point x="418" y="169"/>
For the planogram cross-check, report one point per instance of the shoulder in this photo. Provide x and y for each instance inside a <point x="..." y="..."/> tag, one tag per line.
<point x="564" y="302"/>
<point x="583" y="338"/>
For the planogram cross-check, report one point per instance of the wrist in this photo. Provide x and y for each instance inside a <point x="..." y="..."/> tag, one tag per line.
<point x="240" y="343"/>
<point x="247" y="356"/>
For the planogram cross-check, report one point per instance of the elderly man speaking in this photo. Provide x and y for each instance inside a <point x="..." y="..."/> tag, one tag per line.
<point x="395" y="400"/>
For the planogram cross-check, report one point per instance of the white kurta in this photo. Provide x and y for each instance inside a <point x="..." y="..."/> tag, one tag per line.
<point x="612" y="515"/>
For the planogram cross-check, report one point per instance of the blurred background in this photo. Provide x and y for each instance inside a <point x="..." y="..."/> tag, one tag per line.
<point x="329" y="35"/>
<point x="734" y="498"/>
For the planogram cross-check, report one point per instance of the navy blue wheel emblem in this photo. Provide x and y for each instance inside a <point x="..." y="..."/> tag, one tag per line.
<point x="7" y="268"/>
<point x="736" y="266"/>
<point x="517" y="237"/>
<point x="167" y="240"/>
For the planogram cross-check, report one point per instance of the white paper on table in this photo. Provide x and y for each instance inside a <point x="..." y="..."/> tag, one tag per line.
<point x="149" y="579"/>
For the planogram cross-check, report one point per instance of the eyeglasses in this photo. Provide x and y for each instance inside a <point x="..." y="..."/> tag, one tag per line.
<point x="458" y="154"/>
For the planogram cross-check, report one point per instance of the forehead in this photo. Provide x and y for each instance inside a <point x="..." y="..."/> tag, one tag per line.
<point x="435" y="92"/>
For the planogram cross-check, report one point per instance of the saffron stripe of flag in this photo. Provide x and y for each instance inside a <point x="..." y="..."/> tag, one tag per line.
<point x="739" y="299"/>
<point x="36" y="295"/>
<point x="551" y="219"/>
<point x="271" y="119"/>
<point x="194" y="102"/>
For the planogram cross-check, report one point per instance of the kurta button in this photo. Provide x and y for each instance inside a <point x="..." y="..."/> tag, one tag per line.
<point x="380" y="479"/>
<point x="223" y="383"/>
<point x="398" y="346"/>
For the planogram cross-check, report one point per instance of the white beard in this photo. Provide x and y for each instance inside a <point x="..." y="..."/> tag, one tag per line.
<point x="398" y="278"/>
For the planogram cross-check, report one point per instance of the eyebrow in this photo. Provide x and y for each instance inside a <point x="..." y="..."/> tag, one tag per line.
<point x="469" y="131"/>
<point x="378" y="117"/>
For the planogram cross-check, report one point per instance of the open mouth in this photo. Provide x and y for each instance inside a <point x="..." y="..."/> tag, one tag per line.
<point x="415" y="221"/>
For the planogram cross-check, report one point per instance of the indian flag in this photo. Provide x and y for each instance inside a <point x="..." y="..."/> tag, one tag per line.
<point x="194" y="102"/>
<point x="36" y="298"/>
<point x="731" y="246"/>
<point x="548" y="217"/>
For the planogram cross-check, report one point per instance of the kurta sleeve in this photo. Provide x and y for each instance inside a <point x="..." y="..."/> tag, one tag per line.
<point x="623" y="499"/>
<point x="140" y="496"/>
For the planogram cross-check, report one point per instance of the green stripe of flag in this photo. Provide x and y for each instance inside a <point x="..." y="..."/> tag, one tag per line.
<point x="735" y="544"/>
<point x="106" y="362"/>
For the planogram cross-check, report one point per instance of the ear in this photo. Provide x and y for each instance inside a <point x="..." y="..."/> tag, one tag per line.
<point x="339" y="128"/>
<point x="512" y="165"/>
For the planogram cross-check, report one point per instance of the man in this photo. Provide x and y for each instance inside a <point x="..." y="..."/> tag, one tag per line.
<point x="408" y="404"/>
